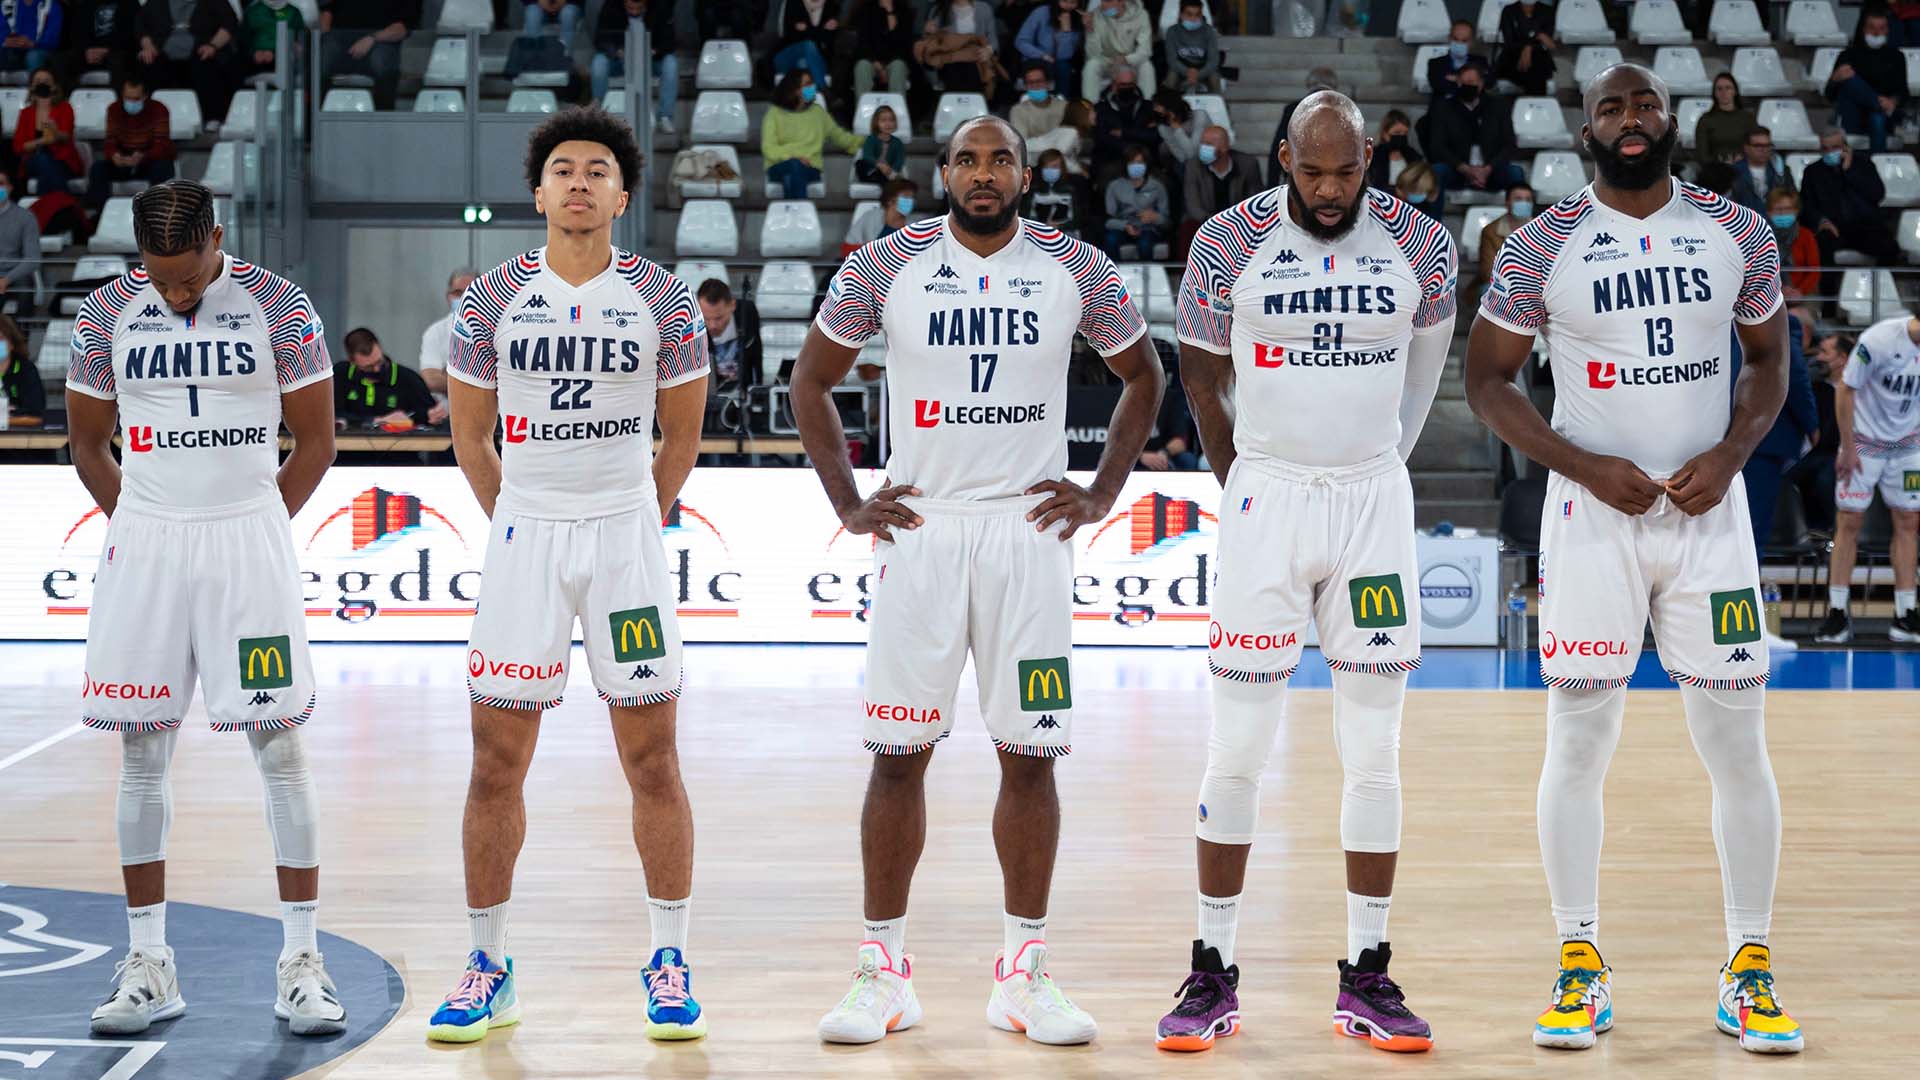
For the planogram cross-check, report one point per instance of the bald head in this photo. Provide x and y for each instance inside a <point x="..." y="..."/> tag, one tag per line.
<point x="1623" y="83"/>
<point x="965" y="134"/>
<point x="1327" y="119"/>
<point x="1325" y="157"/>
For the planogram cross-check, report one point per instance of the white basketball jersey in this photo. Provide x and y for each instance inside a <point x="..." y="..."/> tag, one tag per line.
<point x="977" y="349"/>
<point x="1318" y="332"/>
<point x="1884" y="372"/>
<point x="1638" y="316"/>
<point x="577" y="370"/>
<point x="198" y="394"/>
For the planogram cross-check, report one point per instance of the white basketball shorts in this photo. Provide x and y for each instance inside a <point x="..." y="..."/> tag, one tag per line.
<point x="1896" y="473"/>
<point x="976" y="575"/>
<point x="1334" y="545"/>
<point x="214" y="593"/>
<point x="1603" y="572"/>
<point x="539" y="576"/>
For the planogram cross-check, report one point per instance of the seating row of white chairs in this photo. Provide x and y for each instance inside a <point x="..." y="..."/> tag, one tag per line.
<point x="1653" y="22"/>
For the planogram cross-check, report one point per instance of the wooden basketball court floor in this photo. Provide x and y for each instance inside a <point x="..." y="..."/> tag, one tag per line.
<point x="772" y="760"/>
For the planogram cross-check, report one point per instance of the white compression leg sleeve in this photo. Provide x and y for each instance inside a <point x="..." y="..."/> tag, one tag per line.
<point x="1729" y="733"/>
<point x="1366" y="732"/>
<point x="1583" y="727"/>
<point x="144" y="810"/>
<point x="1245" y="718"/>
<point x="292" y="809"/>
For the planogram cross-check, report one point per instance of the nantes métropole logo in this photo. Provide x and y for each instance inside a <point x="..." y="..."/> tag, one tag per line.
<point x="1046" y="685"/>
<point x="265" y="662"/>
<point x="1377" y="601"/>
<point x="637" y="635"/>
<point x="1736" y="618"/>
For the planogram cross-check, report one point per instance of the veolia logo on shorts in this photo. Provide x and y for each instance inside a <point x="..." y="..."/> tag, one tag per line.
<point x="1377" y="601"/>
<point x="263" y="662"/>
<point x="1735" y="617"/>
<point x="636" y="635"/>
<point x="1045" y="685"/>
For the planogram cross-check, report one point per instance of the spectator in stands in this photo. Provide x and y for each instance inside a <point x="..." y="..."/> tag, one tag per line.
<point x="1218" y="177"/>
<point x="894" y="211"/>
<point x="1519" y="211"/>
<point x="1180" y="125"/>
<point x="1473" y="145"/>
<point x="138" y="145"/>
<point x="536" y="14"/>
<point x="1320" y="78"/>
<point x="102" y="34"/>
<point x="1193" y="51"/>
<point x="1759" y="173"/>
<point x="26" y="396"/>
<point x="734" y="350"/>
<point x="1123" y="120"/>
<point x="19" y="249"/>
<point x="1419" y="186"/>
<point x="43" y="136"/>
<point x="1054" y="35"/>
<point x="196" y="43"/>
<point x="1840" y="196"/>
<point x="884" y="31"/>
<point x="1905" y="26"/>
<point x="1869" y="82"/>
<point x="1057" y="197"/>
<point x="1136" y="207"/>
<point x="737" y="19"/>
<point x="610" y="52"/>
<point x="262" y="39"/>
<point x="363" y="37"/>
<point x="960" y="47"/>
<point x="29" y="33"/>
<point x="1391" y="150"/>
<point x="1716" y="176"/>
<point x="1443" y="71"/>
<point x="1799" y="251"/>
<point x="794" y="135"/>
<point x="1121" y="36"/>
<point x="884" y="155"/>
<point x="436" y="342"/>
<point x="371" y="390"/>
<point x="1040" y="111"/>
<point x="1526" y="45"/>
<point x="1721" y="131"/>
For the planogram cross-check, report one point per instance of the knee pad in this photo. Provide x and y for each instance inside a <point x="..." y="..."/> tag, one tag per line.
<point x="144" y="809"/>
<point x="292" y="809"/>
<point x="1583" y="727"/>
<point x="1729" y="732"/>
<point x="1245" y="718"/>
<point x="1366" y="731"/>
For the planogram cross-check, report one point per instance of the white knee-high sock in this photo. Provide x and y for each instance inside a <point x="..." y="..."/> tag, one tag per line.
<point x="293" y="810"/>
<point x="1583" y="727"/>
<point x="1366" y="733"/>
<point x="1245" y="718"/>
<point x="143" y="811"/>
<point x="1729" y="733"/>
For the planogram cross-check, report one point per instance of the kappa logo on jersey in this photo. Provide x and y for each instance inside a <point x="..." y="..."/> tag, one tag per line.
<point x="1285" y="257"/>
<point x="537" y="303"/>
<point x="945" y="271"/>
<point x="1736" y="618"/>
<point x="637" y="635"/>
<point x="1045" y="685"/>
<point x="264" y="662"/>
<point x="1602" y="240"/>
<point x="642" y="671"/>
<point x="1552" y="645"/>
<point x="151" y="311"/>
<point x="1608" y="243"/>
<point x="1046" y="721"/>
<point x="1218" y="635"/>
<point x="930" y="413"/>
<point x="1378" y="601"/>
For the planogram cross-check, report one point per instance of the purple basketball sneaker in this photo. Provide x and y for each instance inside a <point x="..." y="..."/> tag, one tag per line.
<point x="1371" y="1007"/>
<point x="1208" y="1010"/>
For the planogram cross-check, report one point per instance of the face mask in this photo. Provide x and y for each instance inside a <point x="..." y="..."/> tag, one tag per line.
<point x="1136" y="169"/>
<point x="808" y="93"/>
<point x="905" y="204"/>
<point x="1831" y="157"/>
<point x="1127" y="94"/>
<point x="1039" y="97"/>
<point x="1468" y="94"/>
<point x="1191" y="25"/>
<point x="42" y="90"/>
<point x="1208" y="155"/>
<point x="1457" y="51"/>
<point x="1417" y="197"/>
<point x="1397" y="142"/>
<point x="1874" y="41"/>
<point x="5" y="350"/>
<point x="1110" y="12"/>
<point x="1051" y="174"/>
<point x="4" y="193"/>
<point x="1522" y="208"/>
<point x="133" y="107"/>
<point x="1783" y="222"/>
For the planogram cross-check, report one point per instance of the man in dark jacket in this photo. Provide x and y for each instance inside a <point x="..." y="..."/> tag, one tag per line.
<point x="1443" y="72"/>
<point x="1123" y="119"/>
<point x="610" y="52"/>
<point x="1759" y="173"/>
<point x="181" y="45"/>
<point x="363" y="37"/>
<point x="1217" y="177"/>
<point x="102" y="34"/>
<point x="1869" y="82"/>
<point x="1797" y="426"/>
<point x="1526" y="45"/>
<point x="1472" y="140"/>
<point x="735" y="352"/>
<point x="1840" y="203"/>
<point x="370" y="389"/>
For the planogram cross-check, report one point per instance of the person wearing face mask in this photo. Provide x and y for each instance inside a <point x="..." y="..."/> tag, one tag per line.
<point x="1121" y="36"/>
<point x="29" y="32"/>
<point x="436" y="343"/>
<point x="1840" y="198"/>
<point x="1442" y="71"/>
<point x="1473" y="144"/>
<point x="1056" y="197"/>
<point x="21" y="390"/>
<point x="43" y="136"/>
<point x="1392" y="152"/>
<point x="1218" y="177"/>
<point x="1419" y="188"/>
<point x="1193" y="51"/>
<point x="1869" y="82"/>
<point x="1526" y="45"/>
<point x="1758" y="172"/>
<point x="1136" y="208"/>
<point x="1123" y="119"/>
<point x="138" y="146"/>
<point x="1520" y="210"/>
<point x="1054" y="35"/>
<point x="1040" y="111"/>
<point x="1799" y="251"/>
<point x="896" y="209"/>
<point x="794" y="134"/>
<point x="1180" y="125"/>
<point x="19" y="250"/>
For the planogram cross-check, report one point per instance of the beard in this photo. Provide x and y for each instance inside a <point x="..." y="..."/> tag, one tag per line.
<point x="1305" y="215"/>
<point x="986" y="224"/>
<point x="1638" y="173"/>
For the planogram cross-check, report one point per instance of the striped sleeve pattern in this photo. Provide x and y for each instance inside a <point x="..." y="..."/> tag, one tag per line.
<point x="683" y="333"/>
<point x="858" y="294"/>
<point x="293" y="328"/>
<point x="471" y="358"/>
<point x="90" y="364"/>
<point x="1429" y="251"/>
<point x="1109" y="319"/>
<point x="1221" y="250"/>
<point x="1515" y="297"/>
<point x="1760" y="294"/>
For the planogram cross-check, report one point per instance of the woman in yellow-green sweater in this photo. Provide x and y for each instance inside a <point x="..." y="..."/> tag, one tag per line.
<point x="794" y="134"/>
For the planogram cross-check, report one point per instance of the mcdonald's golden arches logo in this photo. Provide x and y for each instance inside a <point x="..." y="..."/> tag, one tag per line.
<point x="1736" y="618"/>
<point x="638" y="635"/>
<point x="266" y="662"/>
<point x="1377" y="601"/>
<point x="1046" y="685"/>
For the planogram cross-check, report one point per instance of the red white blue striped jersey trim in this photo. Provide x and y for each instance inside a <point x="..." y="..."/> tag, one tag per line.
<point x="299" y="341"/>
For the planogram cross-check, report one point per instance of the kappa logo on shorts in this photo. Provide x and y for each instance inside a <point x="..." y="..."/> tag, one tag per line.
<point x="1378" y="640"/>
<point x="261" y="698"/>
<point x="1740" y="656"/>
<point x="1377" y="601"/>
<point x="1047" y="721"/>
<point x="636" y="635"/>
<point x="1735" y="617"/>
<point x="263" y="662"/>
<point x="1045" y="685"/>
<point x="642" y="671"/>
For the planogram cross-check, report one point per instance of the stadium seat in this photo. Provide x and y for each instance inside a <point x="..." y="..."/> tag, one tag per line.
<point x="90" y="111"/>
<point x="786" y="290"/>
<point x="1820" y="69"/>
<point x="724" y="65"/>
<point x="857" y="189"/>
<point x="694" y="272"/>
<point x="1681" y="67"/>
<point x="1134" y="277"/>
<point x="1759" y="72"/>
<point x="1423" y="22"/>
<point x="1215" y="106"/>
<point x="951" y="112"/>
<point x="1556" y="174"/>
<point x="715" y="189"/>
<point x="815" y="190"/>
<point x="1591" y="60"/>
<point x="1901" y="176"/>
<point x="707" y="227"/>
<point x="791" y="230"/>
<point x="239" y="121"/>
<point x="860" y="210"/>
<point x="719" y="116"/>
<point x="114" y="233"/>
<point x="1858" y="291"/>
<point x="1814" y="22"/>
<point x="1912" y="57"/>
<point x="440" y="101"/>
<point x="447" y="63"/>
<point x="223" y="167"/>
<point x="459" y="16"/>
<point x="1787" y="119"/>
<point x="1798" y="162"/>
<point x="99" y="266"/>
<point x="56" y="347"/>
<point x="1487" y="27"/>
<point x="1908" y="234"/>
<point x="1658" y="22"/>
<point x="783" y="335"/>
<point x="615" y="102"/>
<point x="526" y="100"/>
<point x="1537" y="123"/>
<point x="552" y="80"/>
<point x="183" y="113"/>
<point x="863" y="113"/>
<point x="12" y="100"/>
<point x="1737" y="22"/>
<point x="1582" y="22"/>
<point x="1476" y="222"/>
<point x="1686" y="116"/>
<point x="1422" y="56"/>
<point x="1161" y="307"/>
<point x="347" y="99"/>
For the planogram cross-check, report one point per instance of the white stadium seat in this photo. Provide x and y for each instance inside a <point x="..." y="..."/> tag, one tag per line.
<point x="1908" y="234"/>
<point x="707" y="228"/>
<point x="1682" y="69"/>
<point x="786" y="290"/>
<point x="1658" y="22"/>
<point x="1787" y="119"/>
<point x="694" y="272"/>
<point x="347" y="99"/>
<point x="459" y="16"/>
<point x="440" y="101"/>
<point x="239" y="121"/>
<point x="1556" y="174"/>
<point x="1686" y="115"/>
<point x="1487" y="27"/>
<point x="183" y="113"/>
<point x="715" y="189"/>
<point x="447" y="63"/>
<point x="1813" y="22"/>
<point x="615" y="102"/>
<point x="790" y="230"/>
<point x="551" y="79"/>
<point x="815" y="190"/>
<point x="90" y="111"/>
<point x="1912" y="57"/>
<point x="1477" y="219"/>
<point x="719" y="116"/>
<point x="55" y="349"/>
<point x="1161" y="307"/>
<point x="783" y="335"/>
<point x="1901" y="176"/>
<point x="532" y="101"/>
<point x="1591" y="60"/>
<point x="12" y="100"/>
<point x="1215" y="106"/>
<point x="860" y="210"/>
<point x="1759" y="72"/>
<point x="1423" y="22"/>
<point x="1867" y="296"/>
<point x="857" y="189"/>
<point x="1133" y="277"/>
<point x="1582" y="22"/>
<point x="115" y="230"/>
<point x="99" y="266"/>
<point x="1422" y="56"/>
<point x="953" y="110"/>
<point x="1796" y="163"/>
<point x="724" y="65"/>
<point x="863" y="114"/>
<point x="1820" y="68"/>
<point x="1737" y="22"/>
<point x="223" y="165"/>
<point x="1537" y="123"/>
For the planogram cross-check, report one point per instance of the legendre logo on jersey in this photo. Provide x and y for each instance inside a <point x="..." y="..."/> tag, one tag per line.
<point x="1273" y="356"/>
<point x="142" y="439"/>
<point x="521" y="429"/>
<point x="1605" y="374"/>
<point x="930" y="413"/>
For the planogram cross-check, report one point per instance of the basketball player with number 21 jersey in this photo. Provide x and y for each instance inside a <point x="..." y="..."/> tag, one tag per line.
<point x="1638" y="283"/>
<point x="980" y="309"/>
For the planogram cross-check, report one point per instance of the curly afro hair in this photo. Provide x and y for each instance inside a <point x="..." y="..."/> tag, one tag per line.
<point x="584" y="124"/>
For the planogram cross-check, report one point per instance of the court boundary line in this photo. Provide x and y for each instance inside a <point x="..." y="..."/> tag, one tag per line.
<point x="52" y="740"/>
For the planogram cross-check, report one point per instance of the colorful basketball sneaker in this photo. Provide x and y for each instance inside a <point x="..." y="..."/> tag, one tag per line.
<point x="308" y="1001"/>
<point x="1749" y="1009"/>
<point x="1372" y="1007"/>
<point x="1582" y="1000"/>
<point x="1209" y="1006"/>
<point x="146" y="991"/>
<point x="880" y="1001"/>
<point x="672" y="1013"/>
<point x="1025" y="999"/>
<point x="484" y="1000"/>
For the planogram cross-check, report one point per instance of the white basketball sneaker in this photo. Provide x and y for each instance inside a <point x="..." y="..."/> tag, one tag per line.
<point x="308" y="1001"/>
<point x="881" y="1000"/>
<point x="146" y="991"/>
<point x="1025" y="999"/>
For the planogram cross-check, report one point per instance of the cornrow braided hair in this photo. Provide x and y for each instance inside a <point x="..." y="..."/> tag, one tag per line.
<point x="173" y="218"/>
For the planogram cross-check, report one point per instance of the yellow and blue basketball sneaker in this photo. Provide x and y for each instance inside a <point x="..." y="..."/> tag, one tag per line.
<point x="484" y="1000"/>
<point x="1582" y="1000"/>
<point x="671" y="1011"/>
<point x="1748" y="1008"/>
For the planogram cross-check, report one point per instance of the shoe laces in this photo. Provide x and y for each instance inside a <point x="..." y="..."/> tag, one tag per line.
<point x="668" y="985"/>
<point x="1199" y="993"/>
<point x="866" y="980"/>
<point x="1571" y="987"/>
<point x="305" y="965"/>
<point x="1756" y="985"/>
<point x="1046" y="994"/>
<point x="138" y="970"/>
<point x="1383" y="993"/>
<point x="474" y="987"/>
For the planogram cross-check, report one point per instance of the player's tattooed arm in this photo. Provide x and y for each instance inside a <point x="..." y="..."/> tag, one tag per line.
<point x="474" y="412"/>
<point x="90" y="425"/>
<point x="308" y="414"/>
<point x="822" y="363"/>
<point x="1207" y="378"/>
<point x="1139" y="366"/>
<point x="1758" y="395"/>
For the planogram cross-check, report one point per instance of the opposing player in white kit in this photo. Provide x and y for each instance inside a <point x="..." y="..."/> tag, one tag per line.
<point x="574" y="350"/>
<point x="979" y="309"/>
<point x="1877" y="406"/>
<point x="1314" y="324"/>
<point x="1635" y="282"/>
<point x="198" y="357"/>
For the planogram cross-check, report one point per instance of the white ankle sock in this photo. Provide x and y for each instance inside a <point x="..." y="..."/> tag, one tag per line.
<point x="298" y="929"/>
<point x="669" y="922"/>
<point x="1837" y="596"/>
<point x="1017" y="930"/>
<point x="147" y="926"/>
<point x="487" y="928"/>
<point x="1578" y="924"/>
<point x="892" y="936"/>
<point x="1366" y="923"/>
<point x="1902" y="601"/>
<point x="1746" y="927"/>
<point x="1220" y="924"/>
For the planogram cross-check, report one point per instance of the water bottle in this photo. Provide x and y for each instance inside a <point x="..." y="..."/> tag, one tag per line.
<point x="1771" y="605"/>
<point x="1516" y="625"/>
